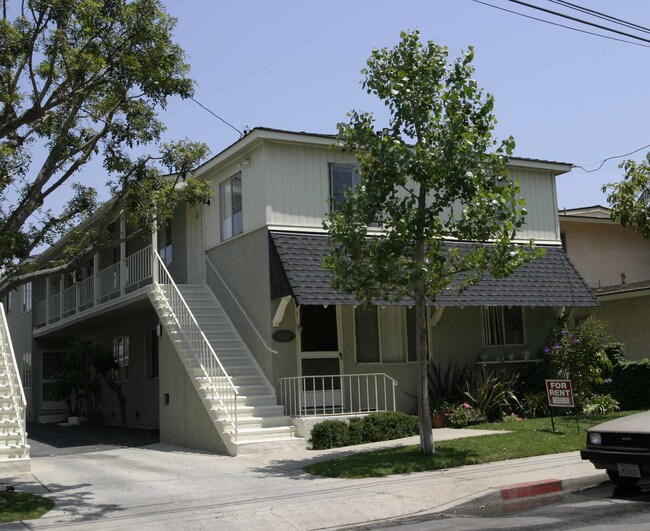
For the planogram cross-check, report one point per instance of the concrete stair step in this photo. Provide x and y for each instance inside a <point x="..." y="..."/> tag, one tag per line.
<point x="270" y="445"/>
<point x="261" y="434"/>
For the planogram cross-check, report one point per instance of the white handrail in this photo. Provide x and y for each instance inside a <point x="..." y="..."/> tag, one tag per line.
<point x="222" y="386"/>
<point x="336" y="394"/>
<point x="19" y="398"/>
<point x="234" y="298"/>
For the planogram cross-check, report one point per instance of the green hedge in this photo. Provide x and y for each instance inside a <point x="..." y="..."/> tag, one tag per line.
<point x="630" y="384"/>
<point x="371" y="428"/>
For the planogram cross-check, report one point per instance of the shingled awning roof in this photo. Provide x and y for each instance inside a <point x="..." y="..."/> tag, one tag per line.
<point x="552" y="280"/>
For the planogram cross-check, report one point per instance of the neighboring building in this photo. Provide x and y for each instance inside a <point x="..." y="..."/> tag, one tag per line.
<point x="615" y="262"/>
<point x="255" y="338"/>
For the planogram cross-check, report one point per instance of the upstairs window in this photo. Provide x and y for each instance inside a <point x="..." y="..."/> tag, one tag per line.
<point x="503" y="326"/>
<point x="27" y="297"/>
<point x="343" y="177"/>
<point x="230" y="205"/>
<point x="165" y="242"/>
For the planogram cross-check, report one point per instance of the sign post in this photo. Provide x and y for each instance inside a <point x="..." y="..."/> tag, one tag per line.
<point x="560" y="394"/>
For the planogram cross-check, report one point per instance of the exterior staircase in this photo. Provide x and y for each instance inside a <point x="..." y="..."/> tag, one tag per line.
<point x="258" y="422"/>
<point x="14" y="450"/>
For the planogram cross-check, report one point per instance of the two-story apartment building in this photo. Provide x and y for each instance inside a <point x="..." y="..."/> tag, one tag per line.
<point x="615" y="262"/>
<point x="227" y="329"/>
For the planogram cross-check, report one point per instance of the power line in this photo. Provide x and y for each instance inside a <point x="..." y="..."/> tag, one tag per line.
<point x="603" y="16"/>
<point x="602" y="162"/>
<point x="579" y="20"/>
<point x="217" y="116"/>
<point x="560" y="25"/>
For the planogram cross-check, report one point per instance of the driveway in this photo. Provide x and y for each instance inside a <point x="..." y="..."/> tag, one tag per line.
<point x="158" y="486"/>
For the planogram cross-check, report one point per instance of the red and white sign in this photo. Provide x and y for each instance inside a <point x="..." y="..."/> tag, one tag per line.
<point x="560" y="393"/>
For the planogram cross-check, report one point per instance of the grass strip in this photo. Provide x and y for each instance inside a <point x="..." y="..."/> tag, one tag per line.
<point x="526" y="438"/>
<point x="16" y="506"/>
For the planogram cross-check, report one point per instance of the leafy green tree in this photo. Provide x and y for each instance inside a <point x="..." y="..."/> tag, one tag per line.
<point x="630" y="198"/>
<point x="435" y="172"/>
<point x="81" y="79"/>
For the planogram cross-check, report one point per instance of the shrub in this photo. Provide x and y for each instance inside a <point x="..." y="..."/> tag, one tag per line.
<point x="389" y="425"/>
<point x="616" y="353"/>
<point x="464" y="415"/>
<point x="629" y="384"/>
<point x="329" y="434"/>
<point x="533" y="405"/>
<point x="599" y="405"/>
<point x="579" y="355"/>
<point x="492" y="393"/>
<point x="375" y="427"/>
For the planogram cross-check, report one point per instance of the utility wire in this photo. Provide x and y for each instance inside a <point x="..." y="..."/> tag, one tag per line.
<point x="217" y="116"/>
<point x="561" y="25"/>
<point x="603" y="16"/>
<point x="602" y="162"/>
<point x="579" y="20"/>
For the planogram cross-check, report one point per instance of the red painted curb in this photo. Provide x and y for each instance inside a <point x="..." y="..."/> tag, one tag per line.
<point x="533" y="488"/>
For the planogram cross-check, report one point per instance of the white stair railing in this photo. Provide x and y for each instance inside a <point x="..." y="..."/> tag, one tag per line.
<point x="15" y="384"/>
<point x="337" y="394"/>
<point x="221" y="385"/>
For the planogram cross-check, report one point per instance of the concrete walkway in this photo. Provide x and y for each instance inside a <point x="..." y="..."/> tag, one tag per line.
<point x="164" y="487"/>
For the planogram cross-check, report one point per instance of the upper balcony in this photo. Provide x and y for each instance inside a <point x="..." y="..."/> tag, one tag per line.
<point x="107" y="288"/>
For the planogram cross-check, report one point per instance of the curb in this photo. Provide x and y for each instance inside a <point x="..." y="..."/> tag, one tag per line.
<point x="521" y="495"/>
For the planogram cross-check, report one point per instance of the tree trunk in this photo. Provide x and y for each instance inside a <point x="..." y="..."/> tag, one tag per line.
<point x="426" y="434"/>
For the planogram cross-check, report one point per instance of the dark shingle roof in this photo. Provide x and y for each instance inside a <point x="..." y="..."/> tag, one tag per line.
<point x="623" y="288"/>
<point x="552" y="280"/>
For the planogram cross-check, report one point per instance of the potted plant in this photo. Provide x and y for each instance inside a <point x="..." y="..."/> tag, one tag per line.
<point x="439" y="410"/>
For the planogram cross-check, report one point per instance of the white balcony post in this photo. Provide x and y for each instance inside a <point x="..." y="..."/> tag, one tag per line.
<point x="96" y="293"/>
<point x="122" y="255"/>
<point x="48" y="280"/>
<point x="154" y="263"/>
<point x="61" y="287"/>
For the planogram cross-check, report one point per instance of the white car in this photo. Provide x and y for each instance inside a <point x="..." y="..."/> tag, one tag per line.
<point x="622" y="447"/>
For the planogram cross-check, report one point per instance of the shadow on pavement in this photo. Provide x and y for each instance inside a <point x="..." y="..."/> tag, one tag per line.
<point x="52" y="439"/>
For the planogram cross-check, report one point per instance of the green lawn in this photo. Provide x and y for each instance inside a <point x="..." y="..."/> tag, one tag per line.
<point x="526" y="438"/>
<point x="22" y="506"/>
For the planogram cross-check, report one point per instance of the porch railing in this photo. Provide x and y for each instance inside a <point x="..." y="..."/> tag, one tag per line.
<point x="222" y="388"/>
<point x="96" y="289"/>
<point x="337" y="394"/>
<point x="17" y="392"/>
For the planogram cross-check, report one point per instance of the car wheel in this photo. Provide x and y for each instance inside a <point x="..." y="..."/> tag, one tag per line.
<point x="621" y="481"/>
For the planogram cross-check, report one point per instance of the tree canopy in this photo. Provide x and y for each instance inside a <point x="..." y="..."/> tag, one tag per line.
<point x="630" y="198"/>
<point x="434" y="173"/>
<point x="81" y="79"/>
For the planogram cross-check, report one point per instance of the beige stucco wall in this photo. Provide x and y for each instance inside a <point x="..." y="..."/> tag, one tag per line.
<point x="602" y="251"/>
<point x="184" y="421"/>
<point x="628" y="320"/>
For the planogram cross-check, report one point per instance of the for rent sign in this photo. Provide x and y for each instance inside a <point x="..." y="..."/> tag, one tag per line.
<point x="560" y="393"/>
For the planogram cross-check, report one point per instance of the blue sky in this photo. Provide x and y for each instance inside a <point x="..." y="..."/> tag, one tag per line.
<point x="295" y="65"/>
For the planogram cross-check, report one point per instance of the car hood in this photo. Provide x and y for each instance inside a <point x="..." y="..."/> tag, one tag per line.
<point x="637" y="423"/>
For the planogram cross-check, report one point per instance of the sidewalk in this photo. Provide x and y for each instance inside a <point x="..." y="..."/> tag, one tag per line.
<point x="164" y="487"/>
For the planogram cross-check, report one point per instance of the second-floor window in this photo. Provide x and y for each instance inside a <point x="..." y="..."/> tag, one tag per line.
<point x="503" y="326"/>
<point x="165" y="242"/>
<point x="343" y="177"/>
<point x="230" y="206"/>
<point x="27" y="297"/>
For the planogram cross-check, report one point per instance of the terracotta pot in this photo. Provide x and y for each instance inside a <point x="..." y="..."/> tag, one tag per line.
<point x="438" y="421"/>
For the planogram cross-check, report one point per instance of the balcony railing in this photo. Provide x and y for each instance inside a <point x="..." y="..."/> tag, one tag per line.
<point x="337" y="394"/>
<point x="96" y="290"/>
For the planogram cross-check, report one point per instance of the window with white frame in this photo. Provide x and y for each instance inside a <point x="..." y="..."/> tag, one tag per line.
<point x="121" y="357"/>
<point x="230" y="206"/>
<point x="385" y="334"/>
<point x="503" y="326"/>
<point x="165" y="242"/>
<point x="343" y="177"/>
<point x="26" y="370"/>
<point x="27" y="297"/>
